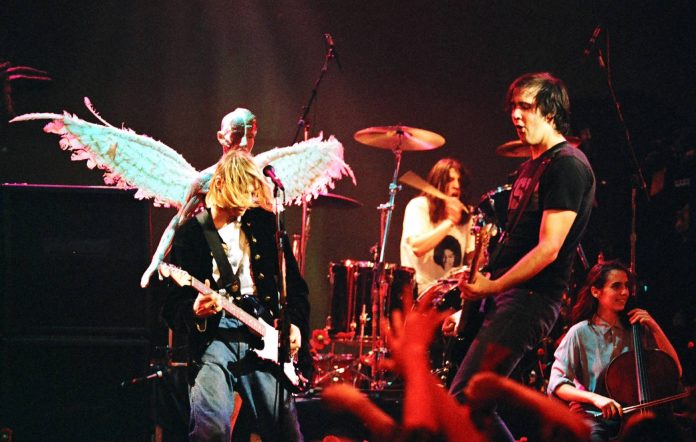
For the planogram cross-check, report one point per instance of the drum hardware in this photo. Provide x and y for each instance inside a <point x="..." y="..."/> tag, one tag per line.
<point x="350" y="321"/>
<point x="398" y="136"/>
<point x="334" y="201"/>
<point x="398" y="139"/>
<point x="363" y="321"/>
<point x="351" y="282"/>
<point x="341" y="368"/>
<point x="323" y="200"/>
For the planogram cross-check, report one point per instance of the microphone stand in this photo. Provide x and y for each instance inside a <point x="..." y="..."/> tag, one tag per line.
<point x="638" y="179"/>
<point x="303" y="125"/>
<point x="283" y="325"/>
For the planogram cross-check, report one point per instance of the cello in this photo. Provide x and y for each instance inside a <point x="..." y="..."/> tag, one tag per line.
<point x="642" y="378"/>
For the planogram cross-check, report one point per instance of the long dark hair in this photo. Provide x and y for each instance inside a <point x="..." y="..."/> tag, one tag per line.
<point x="586" y="305"/>
<point x="439" y="176"/>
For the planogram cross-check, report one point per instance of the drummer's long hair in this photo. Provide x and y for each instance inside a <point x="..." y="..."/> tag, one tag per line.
<point x="586" y="305"/>
<point x="439" y="176"/>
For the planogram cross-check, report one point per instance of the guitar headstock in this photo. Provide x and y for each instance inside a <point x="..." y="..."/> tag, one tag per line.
<point x="485" y="234"/>
<point x="482" y="236"/>
<point x="180" y="276"/>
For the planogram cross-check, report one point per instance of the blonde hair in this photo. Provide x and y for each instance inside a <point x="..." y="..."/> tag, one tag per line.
<point x="238" y="183"/>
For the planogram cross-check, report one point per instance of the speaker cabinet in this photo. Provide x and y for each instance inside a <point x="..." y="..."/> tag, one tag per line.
<point x="72" y="259"/>
<point x="74" y="322"/>
<point x="69" y="389"/>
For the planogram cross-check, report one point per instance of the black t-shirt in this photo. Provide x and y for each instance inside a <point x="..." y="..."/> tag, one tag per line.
<point x="567" y="183"/>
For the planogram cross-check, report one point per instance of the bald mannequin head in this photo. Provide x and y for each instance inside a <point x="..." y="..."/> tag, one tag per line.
<point x="237" y="130"/>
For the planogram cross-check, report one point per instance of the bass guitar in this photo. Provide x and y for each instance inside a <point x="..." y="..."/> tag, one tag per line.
<point x="287" y="373"/>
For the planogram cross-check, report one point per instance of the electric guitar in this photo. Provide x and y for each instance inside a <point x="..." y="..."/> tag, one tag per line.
<point x="483" y="236"/>
<point x="449" y="293"/>
<point x="287" y="373"/>
<point x="450" y="298"/>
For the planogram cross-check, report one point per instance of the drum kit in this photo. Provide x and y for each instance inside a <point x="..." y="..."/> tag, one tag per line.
<point x="363" y="292"/>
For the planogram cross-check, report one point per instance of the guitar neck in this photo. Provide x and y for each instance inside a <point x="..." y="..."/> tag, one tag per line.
<point x="232" y="309"/>
<point x="474" y="264"/>
<point x="482" y="237"/>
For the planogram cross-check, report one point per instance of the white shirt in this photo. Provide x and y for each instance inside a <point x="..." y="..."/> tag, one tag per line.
<point x="237" y="250"/>
<point x="416" y="222"/>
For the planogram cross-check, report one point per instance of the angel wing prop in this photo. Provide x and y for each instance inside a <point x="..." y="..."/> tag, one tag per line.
<point x="307" y="168"/>
<point x="131" y="160"/>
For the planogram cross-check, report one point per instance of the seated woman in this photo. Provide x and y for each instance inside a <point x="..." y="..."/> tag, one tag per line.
<point x="600" y="333"/>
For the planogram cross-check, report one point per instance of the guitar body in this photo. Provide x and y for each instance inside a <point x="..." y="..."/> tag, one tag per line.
<point x="450" y="351"/>
<point x="268" y="346"/>
<point x="289" y="375"/>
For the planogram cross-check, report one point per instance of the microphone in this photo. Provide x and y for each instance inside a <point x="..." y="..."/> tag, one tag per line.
<point x="269" y="171"/>
<point x="157" y="374"/>
<point x="332" y="48"/>
<point x="329" y="40"/>
<point x="592" y="41"/>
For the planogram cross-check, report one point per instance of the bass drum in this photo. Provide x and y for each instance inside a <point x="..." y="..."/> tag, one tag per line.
<point x="351" y="283"/>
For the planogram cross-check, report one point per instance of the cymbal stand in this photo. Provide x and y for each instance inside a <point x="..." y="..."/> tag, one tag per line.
<point x="379" y="283"/>
<point x="363" y="320"/>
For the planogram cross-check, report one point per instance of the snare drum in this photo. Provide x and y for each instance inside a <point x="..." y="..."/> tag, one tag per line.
<point x="351" y="283"/>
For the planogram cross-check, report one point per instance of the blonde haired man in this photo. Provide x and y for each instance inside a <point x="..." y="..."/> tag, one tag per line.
<point x="221" y="360"/>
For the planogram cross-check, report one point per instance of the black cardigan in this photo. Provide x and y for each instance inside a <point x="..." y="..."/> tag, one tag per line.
<point x="190" y="252"/>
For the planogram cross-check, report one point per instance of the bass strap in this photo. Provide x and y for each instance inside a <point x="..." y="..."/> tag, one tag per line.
<point x="517" y="214"/>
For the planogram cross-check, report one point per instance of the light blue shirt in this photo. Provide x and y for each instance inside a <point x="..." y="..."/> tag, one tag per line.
<point x="585" y="352"/>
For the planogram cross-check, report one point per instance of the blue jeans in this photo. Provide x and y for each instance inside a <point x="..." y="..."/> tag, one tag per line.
<point x="513" y="325"/>
<point x="227" y="367"/>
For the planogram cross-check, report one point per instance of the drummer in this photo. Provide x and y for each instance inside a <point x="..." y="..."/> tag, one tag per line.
<point x="436" y="236"/>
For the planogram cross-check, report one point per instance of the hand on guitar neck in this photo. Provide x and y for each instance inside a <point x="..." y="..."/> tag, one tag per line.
<point x="472" y="282"/>
<point x="209" y="302"/>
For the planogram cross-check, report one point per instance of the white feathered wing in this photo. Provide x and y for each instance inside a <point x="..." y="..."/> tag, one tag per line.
<point x="131" y="160"/>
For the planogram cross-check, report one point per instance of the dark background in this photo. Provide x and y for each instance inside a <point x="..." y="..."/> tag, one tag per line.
<point x="172" y="69"/>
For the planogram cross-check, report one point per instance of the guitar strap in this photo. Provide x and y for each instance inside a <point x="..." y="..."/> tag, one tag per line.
<point x="516" y="215"/>
<point x="229" y="279"/>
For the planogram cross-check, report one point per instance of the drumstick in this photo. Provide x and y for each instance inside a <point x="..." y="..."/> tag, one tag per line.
<point x="413" y="180"/>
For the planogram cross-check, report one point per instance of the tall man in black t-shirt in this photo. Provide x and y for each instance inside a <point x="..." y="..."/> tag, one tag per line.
<point x="533" y="267"/>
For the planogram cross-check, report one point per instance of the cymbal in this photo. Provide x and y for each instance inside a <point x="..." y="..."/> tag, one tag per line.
<point x="402" y="137"/>
<point x="333" y="201"/>
<point x="519" y="149"/>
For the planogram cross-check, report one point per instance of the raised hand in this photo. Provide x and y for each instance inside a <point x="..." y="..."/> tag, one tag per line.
<point x="410" y="334"/>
